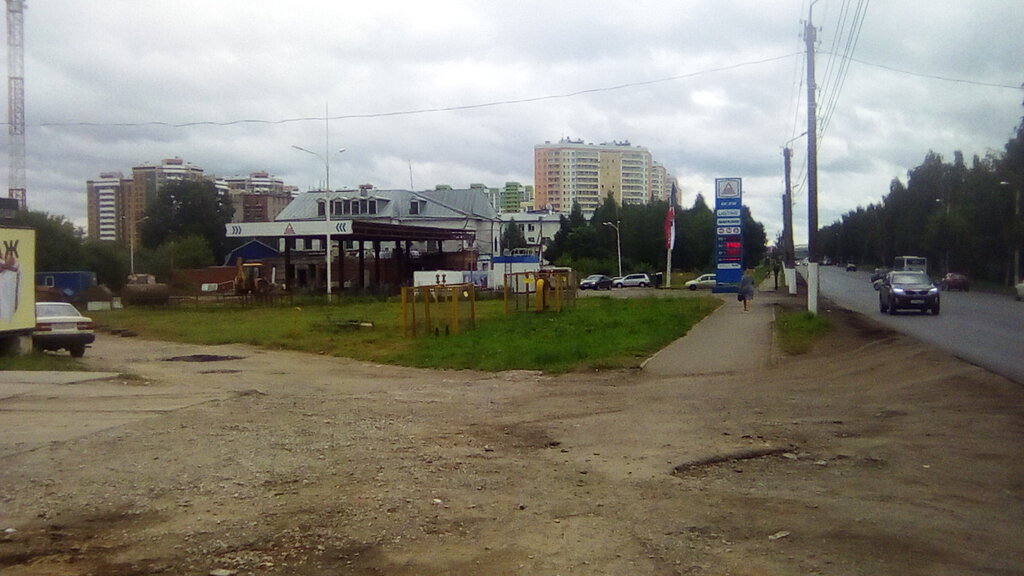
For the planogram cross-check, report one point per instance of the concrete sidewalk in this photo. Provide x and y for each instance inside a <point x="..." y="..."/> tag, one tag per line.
<point x="727" y="341"/>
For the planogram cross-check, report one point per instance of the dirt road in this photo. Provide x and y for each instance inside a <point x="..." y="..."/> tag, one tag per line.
<point x="871" y="455"/>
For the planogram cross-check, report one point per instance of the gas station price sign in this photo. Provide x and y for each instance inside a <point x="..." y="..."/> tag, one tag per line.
<point x="728" y="233"/>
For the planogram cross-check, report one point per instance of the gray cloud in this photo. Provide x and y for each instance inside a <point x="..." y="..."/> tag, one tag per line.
<point x="125" y="62"/>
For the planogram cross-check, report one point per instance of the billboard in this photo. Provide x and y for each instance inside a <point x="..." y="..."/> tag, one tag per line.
<point x="17" y="279"/>
<point x="728" y="234"/>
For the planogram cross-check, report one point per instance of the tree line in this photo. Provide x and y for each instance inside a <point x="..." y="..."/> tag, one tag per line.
<point x="184" y="227"/>
<point x="589" y="246"/>
<point x="961" y="217"/>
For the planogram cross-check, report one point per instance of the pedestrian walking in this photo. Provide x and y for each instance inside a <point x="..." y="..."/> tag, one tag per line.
<point x="746" y="291"/>
<point x="775" y="269"/>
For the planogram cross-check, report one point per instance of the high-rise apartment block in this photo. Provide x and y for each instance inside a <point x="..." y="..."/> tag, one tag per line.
<point x="147" y="179"/>
<point x="513" y="197"/>
<point x="573" y="172"/>
<point x="105" y="202"/>
<point x="117" y="205"/>
<point x="258" y="197"/>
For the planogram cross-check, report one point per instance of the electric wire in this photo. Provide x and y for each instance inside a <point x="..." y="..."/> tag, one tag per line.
<point x="427" y="110"/>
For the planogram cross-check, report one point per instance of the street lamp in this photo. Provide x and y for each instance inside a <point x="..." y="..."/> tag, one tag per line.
<point x="327" y="207"/>
<point x="618" y="241"/>
<point x="131" y="244"/>
<point x="1015" y="237"/>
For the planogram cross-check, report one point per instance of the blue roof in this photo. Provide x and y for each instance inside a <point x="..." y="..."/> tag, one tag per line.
<point x="252" y="250"/>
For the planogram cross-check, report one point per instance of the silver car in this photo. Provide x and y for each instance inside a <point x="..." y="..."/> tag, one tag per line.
<point x="641" y="280"/>
<point x="705" y="281"/>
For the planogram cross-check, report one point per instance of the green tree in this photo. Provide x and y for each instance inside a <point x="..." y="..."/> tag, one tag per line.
<point x="191" y="252"/>
<point x="188" y="208"/>
<point x="695" y="237"/>
<point x="512" y="237"/>
<point x="755" y="241"/>
<point x="58" y="243"/>
<point x="109" y="260"/>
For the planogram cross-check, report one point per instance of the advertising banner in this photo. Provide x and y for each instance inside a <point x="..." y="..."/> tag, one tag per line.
<point x="728" y="234"/>
<point x="17" y="279"/>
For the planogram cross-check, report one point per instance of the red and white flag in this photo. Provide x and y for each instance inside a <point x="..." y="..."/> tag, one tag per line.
<point x="670" y="221"/>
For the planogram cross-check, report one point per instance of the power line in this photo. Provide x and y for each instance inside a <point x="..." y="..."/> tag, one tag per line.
<point x="935" y="76"/>
<point x="428" y="110"/>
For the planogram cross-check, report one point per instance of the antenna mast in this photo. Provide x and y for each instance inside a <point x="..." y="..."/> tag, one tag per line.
<point x="16" y="99"/>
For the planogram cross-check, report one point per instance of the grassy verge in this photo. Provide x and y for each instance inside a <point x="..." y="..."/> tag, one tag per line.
<point x="796" y="331"/>
<point x="596" y="333"/>
<point x="41" y="361"/>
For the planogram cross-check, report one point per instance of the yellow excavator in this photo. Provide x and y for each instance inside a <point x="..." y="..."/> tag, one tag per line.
<point x="250" y="278"/>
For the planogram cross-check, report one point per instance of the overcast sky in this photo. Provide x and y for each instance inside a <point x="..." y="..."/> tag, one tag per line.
<point x="711" y="88"/>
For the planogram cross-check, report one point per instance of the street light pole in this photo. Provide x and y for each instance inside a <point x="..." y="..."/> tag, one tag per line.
<point x="618" y="241"/>
<point x="131" y="244"/>
<point x="327" y="208"/>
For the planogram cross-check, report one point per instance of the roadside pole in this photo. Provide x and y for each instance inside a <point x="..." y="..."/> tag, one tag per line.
<point x="812" y="288"/>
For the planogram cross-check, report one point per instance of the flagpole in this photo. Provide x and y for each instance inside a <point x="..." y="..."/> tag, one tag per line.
<point x="670" y="235"/>
<point x="668" y="268"/>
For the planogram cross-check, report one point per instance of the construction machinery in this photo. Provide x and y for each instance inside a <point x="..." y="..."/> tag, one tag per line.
<point x="250" y="278"/>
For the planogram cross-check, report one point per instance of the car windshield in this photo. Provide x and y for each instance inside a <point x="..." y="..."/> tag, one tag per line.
<point x="55" y="309"/>
<point x="909" y="278"/>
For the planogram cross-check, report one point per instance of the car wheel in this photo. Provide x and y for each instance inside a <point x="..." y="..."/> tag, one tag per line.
<point x="692" y="287"/>
<point x="77" y="351"/>
<point x="619" y="285"/>
<point x="892" y="308"/>
<point x="643" y="284"/>
<point x="935" y="309"/>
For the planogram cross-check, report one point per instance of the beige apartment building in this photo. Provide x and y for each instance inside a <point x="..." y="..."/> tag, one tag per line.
<point x="117" y="205"/>
<point x="573" y="171"/>
<point x="258" y="197"/>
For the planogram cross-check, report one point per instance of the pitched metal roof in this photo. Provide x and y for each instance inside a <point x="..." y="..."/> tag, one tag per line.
<point x="394" y="205"/>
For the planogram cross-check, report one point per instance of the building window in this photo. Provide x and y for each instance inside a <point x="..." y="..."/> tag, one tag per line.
<point x="414" y="207"/>
<point x="372" y="207"/>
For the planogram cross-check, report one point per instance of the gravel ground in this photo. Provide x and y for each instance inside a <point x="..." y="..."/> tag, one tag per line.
<point x="871" y="455"/>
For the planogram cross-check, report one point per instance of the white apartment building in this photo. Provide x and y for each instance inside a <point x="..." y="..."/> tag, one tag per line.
<point x="572" y="171"/>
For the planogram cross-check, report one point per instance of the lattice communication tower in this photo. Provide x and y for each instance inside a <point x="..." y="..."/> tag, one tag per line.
<point x="16" y="99"/>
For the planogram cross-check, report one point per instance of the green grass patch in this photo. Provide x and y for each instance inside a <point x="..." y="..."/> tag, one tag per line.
<point x="796" y="331"/>
<point x="42" y="361"/>
<point x="597" y="333"/>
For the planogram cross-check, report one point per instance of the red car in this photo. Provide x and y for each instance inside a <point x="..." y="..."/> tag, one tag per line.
<point x="955" y="281"/>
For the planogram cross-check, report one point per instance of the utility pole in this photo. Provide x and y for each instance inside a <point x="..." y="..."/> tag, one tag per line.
<point x="787" y="213"/>
<point x="810" y="37"/>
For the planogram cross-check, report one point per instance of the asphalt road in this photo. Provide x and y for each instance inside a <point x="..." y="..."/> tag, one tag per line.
<point x="982" y="328"/>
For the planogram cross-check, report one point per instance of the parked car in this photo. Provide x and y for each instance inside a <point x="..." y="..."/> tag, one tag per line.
<point x="641" y="280"/>
<point x="851" y="267"/>
<point x="908" y="289"/>
<point x="955" y="281"/>
<point x="59" y="325"/>
<point x="596" y="282"/>
<point x="704" y="281"/>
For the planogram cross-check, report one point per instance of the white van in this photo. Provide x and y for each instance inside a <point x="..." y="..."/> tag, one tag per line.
<point x="918" y="263"/>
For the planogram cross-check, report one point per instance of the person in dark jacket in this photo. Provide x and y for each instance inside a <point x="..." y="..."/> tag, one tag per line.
<point x="746" y="292"/>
